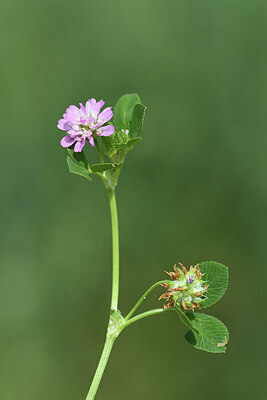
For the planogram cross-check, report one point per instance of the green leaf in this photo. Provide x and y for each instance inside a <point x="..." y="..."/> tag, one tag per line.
<point x="213" y="334"/>
<point x="216" y="275"/>
<point x="78" y="164"/>
<point x="123" y="111"/>
<point x="113" y="144"/>
<point x="128" y="145"/>
<point x="118" y="151"/>
<point x="184" y="318"/>
<point x="133" y="142"/>
<point x="136" y="124"/>
<point x="103" y="167"/>
<point x="128" y="115"/>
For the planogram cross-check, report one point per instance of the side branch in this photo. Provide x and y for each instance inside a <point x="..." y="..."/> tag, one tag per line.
<point x="140" y="301"/>
<point x="146" y="314"/>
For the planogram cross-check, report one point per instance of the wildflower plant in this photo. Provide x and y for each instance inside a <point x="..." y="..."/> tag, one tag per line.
<point x="187" y="290"/>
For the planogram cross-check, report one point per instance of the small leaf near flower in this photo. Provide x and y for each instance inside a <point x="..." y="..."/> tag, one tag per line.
<point x="78" y="164"/>
<point x="128" y="122"/>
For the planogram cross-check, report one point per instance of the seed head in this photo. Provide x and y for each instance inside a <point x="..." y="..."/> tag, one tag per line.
<point x="186" y="289"/>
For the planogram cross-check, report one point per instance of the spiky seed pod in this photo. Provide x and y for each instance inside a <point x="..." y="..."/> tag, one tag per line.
<point x="186" y="289"/>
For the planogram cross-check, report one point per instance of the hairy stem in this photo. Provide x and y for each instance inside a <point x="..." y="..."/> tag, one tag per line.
<point x="140" y="301"/>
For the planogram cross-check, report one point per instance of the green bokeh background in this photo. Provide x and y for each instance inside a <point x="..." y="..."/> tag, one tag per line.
<point x="194" y="190"/>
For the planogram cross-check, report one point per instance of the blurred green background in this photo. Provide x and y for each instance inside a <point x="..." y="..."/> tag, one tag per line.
<point x="194" y="190"/>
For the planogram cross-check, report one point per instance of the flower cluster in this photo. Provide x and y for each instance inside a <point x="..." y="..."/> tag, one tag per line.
<point x="186" y="289"/>
<point x="86" y="122"/>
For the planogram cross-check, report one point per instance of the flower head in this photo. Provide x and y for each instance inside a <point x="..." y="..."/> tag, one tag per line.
<point x="186" y="289"/>
<point x="86" y="122"/>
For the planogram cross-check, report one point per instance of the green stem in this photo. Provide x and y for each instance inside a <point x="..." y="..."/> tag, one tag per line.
<point x="110" y="339"/>
<point x="115" y="249"/>
<point x="143" y="298"/>
<point x="146" y="314"/>
<point x="114" y="297"/>
<point x="100" y="155"/>
<point x="101" y="367"/>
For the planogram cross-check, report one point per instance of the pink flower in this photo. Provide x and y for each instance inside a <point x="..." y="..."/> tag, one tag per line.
<point x="84" y="123"/>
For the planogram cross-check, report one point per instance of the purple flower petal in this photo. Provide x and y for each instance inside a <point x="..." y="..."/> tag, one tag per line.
<point x="73" y="114"/>
<point x="106" y="130"/>
<point x="91" y="141"/>
<point x="93" y="108"/>
<point x="88" y="106"/>
<point x="95" y="126"/>
<point x="79" y="145"/>
<point x="63" y="125"/>
<point x="96" y="108"/>
<point x="67" y="141"/>
<point x="105" y="116"/>
<point x="191" y="278"/>
<point x="83" y="109"/>
<point x="91" y="121"/>
<point x="83" y="121"/>
<point x="73" y="110"/>
<point x="73" y="133"/>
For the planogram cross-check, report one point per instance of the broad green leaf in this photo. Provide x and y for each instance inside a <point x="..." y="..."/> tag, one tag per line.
<point x="213" y="335"/>
<point x="216" y="275"/>
<point x="78" y="164"/>
<point x="123" y="111"/>
<point x="184" y="319"/>
<point x="136" y="124"/>
<point x="103" y="167"/>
